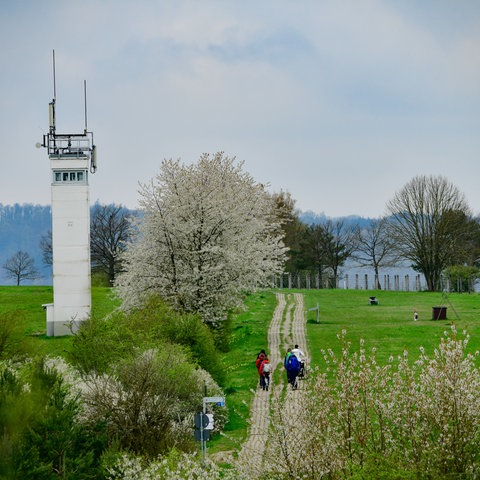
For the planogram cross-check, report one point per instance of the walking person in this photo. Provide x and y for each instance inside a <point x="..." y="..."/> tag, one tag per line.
<point x="302" y="358"/>
<point x="292" y="366"/>
<point x="264" y="371"/>
<point x="258" y="362"/>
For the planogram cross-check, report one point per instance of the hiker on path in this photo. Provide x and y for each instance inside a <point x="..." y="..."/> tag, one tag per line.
<point x="299" y="354"/>
<point x="302" y="358"/>
<point x="260" y="358"/>
<point x="258" y="362"/>
<point x="292" y="365"/>
<point x="264" y="371"/>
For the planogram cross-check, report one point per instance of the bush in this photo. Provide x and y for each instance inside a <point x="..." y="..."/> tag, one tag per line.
<point x="42" y="436"/>
<point x="184" y="329"/>
<point x="149" y="401"/>
<point x="102" y="342"/>
<point x="416" y="419"/>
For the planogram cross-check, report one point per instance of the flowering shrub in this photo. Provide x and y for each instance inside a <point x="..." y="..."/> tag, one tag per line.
<point x="176" y="467"/>
<point x="407" y="419"/>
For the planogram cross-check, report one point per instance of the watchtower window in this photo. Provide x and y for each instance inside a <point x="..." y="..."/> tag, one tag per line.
<point x="72" y="176"/>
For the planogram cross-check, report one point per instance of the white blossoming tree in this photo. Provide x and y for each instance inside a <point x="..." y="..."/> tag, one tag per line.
<point x="208" y="234"/>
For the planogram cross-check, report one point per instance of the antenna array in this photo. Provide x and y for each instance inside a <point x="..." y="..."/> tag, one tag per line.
<point x="79" y="144"/>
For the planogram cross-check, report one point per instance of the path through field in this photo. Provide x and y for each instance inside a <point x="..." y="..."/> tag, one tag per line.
<point x="286" y="329"/>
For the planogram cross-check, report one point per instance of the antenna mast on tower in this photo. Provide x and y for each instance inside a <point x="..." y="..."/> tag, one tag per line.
<point x="79" y="144"/>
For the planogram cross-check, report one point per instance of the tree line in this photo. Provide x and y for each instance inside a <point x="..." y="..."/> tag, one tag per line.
<point x="428" y="225"/>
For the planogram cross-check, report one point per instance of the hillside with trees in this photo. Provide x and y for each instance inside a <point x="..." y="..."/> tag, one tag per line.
<point x="21" y="229"/>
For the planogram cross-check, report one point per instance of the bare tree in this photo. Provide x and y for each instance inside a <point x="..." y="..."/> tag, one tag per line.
<point x="429" y="225"/>
<point x="46" y="248"/>
<point x="373" y="246"/>
<point x="110" y="231"/>
<point x="20" y="267"/>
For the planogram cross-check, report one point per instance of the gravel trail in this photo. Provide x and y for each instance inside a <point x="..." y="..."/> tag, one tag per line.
<point x="287" y="328"/>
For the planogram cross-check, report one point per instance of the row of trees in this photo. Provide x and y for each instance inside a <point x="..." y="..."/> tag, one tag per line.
<point x="210" y="233"/>
<point x="110" y="229"/>
<point x="428" y="224"/>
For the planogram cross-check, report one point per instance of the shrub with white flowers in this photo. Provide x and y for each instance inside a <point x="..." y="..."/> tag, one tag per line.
<point x="364" y="420"/>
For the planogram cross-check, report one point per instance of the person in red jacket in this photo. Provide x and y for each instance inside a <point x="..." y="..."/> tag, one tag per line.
<point x="260" y="358"/>
<point x="258" y="362"/>
<point x="264" y="371"/>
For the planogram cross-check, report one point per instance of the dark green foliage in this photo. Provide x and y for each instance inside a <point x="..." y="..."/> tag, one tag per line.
<point x="42" y="437"/>
<point x="462" y="278"/>
<point x="100" y="343"/>
<point x="184" y="329"/>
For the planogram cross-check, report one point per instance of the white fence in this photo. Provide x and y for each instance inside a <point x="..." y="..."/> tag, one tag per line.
<point x="349" y="282"/>
<point x="365" y="281"/>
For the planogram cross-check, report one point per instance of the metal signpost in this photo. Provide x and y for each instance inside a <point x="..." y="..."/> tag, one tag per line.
<point x="317" y="309"/>
<point x="204" y="422"/>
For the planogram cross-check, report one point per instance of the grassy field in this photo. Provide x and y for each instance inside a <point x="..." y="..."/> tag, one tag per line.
<point x="26" y="303"/>
<point x="388" y="326"/>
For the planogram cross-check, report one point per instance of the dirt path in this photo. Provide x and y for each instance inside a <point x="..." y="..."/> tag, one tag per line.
<point x="286" y="329"/>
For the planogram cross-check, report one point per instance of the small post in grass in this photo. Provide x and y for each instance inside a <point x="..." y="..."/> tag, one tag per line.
<point x="317" y="309"/>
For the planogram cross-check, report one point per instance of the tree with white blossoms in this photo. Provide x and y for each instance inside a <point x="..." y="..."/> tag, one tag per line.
<point x="209" y="233"/>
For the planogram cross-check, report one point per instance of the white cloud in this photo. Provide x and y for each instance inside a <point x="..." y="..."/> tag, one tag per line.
<point x="339" y="102"/>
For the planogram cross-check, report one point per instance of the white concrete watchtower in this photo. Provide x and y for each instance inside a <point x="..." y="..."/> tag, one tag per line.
<point x="72" y="157"/>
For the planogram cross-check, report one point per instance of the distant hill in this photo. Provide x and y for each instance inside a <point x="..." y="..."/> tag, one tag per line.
<point x="22" y="226"/>
<point x="312" y="218"/>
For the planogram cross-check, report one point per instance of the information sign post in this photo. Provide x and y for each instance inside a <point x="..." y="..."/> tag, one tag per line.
<point x="204" y="422"/>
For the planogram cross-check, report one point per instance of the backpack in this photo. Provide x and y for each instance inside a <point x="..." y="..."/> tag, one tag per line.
<point x="292" y="363"/>
<point x="266" y="368"/>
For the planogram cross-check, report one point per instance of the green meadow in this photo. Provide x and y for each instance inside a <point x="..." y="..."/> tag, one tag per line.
<point x="24" y="304"/>
<point x="388" y="326"/>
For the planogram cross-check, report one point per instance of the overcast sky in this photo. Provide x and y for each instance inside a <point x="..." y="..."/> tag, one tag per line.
<point x="338" y="102"/>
